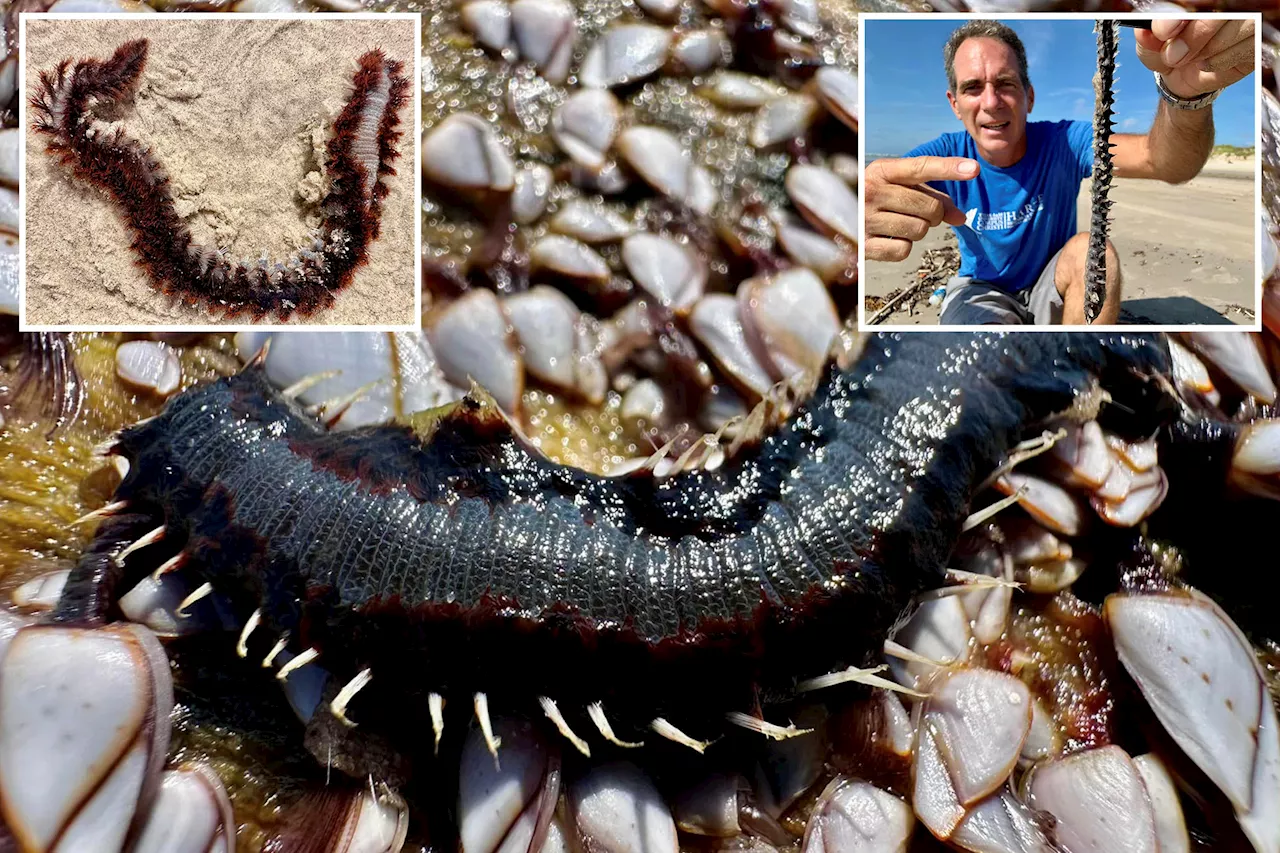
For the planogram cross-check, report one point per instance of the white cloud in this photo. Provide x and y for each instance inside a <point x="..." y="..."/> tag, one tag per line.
<point x="1038" y="41"/>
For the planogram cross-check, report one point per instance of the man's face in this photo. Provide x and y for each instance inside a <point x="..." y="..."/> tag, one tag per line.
<point x="990" y="99"/>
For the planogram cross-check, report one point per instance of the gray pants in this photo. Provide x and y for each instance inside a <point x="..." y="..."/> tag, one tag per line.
<point x="970" y="302"/>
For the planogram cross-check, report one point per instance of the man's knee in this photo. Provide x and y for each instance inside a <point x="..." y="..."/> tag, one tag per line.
<point x="1076" y="255"/>
<point x="1113" y="257"/>
<point x="1079" y="246"/>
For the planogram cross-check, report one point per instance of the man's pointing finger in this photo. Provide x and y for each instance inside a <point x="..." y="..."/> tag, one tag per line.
<point x="917" y="170"/>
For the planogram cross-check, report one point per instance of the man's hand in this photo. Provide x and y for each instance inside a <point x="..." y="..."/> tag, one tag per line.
<point x="1196" y="57"/>
<point x="900" y="209"/>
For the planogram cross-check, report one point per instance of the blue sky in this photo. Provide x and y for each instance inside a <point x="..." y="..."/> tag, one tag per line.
<point x="906" y="102"/>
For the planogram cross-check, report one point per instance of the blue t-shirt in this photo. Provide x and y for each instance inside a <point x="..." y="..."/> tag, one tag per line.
<point x="1017" y="218"/>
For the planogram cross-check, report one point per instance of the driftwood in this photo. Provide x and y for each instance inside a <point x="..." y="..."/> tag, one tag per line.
<point x="892" y="305"/>
<point x="937" y="266"/>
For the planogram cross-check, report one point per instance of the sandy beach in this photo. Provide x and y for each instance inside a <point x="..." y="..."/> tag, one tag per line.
<point x="238" y="113"/>
<point x="1186" y="252"/>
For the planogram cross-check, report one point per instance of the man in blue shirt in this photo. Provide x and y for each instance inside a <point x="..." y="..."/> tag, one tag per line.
<point x="1008" y="186"/>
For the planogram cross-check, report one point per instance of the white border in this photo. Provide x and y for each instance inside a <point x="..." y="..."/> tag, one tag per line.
<point x="1047" y="16"/>
<point x="413" y="131"/>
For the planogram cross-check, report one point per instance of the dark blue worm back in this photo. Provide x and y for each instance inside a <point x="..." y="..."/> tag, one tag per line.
<point x="467" y="562"/>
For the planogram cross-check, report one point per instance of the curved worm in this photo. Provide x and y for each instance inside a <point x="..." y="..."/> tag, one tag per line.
<point x="68" y="107"/>
<point x="463" y="561"/>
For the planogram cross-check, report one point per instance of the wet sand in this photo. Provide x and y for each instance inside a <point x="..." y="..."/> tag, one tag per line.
<point x="238" y="112"/>
<point x="1186" y="252"/>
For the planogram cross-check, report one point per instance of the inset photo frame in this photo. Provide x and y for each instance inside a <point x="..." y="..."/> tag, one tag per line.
<point x="988" y="197"/>
<point x="219" y="171"/>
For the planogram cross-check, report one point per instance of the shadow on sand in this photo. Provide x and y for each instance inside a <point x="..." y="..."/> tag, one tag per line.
<point x="1171" y="311"/>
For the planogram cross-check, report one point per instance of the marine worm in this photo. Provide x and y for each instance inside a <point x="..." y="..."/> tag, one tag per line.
<point x="462" y="561"/>
<point x="71" y="106"/>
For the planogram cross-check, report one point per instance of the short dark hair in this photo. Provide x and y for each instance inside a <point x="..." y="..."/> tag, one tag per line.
<point x="989" y="30"/>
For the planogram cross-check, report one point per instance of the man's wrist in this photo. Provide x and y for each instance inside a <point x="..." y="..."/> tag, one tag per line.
<point x="1172" y="94"/>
